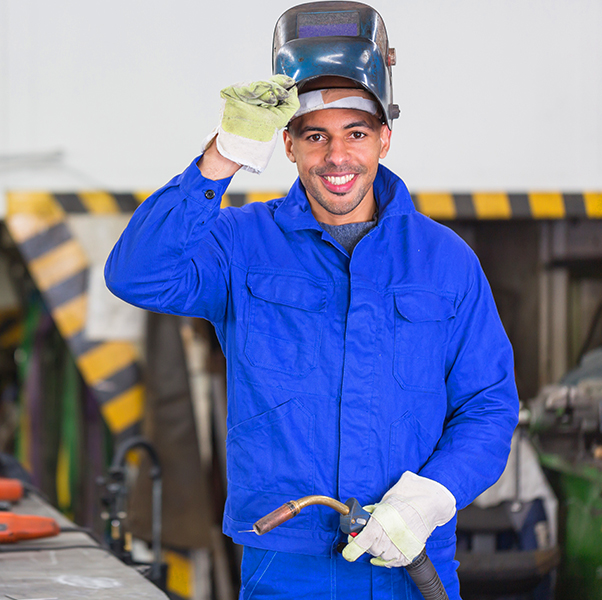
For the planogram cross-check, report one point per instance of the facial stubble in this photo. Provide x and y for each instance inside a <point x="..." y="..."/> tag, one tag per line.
<point x="313" y="188"/>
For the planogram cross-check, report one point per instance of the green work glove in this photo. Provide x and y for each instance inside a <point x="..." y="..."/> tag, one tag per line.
<point x="252" y="114"/>
<point x="402" y="521"/>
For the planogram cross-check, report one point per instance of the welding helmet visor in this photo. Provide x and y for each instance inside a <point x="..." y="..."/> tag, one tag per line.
<point x="342" y="39"/>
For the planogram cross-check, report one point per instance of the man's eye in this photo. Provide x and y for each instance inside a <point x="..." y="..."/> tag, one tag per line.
<point x="358" y="135"/>
<point x="315" y="137"/>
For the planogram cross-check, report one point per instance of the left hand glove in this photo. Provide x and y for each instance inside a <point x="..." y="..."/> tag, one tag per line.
<point x="252" y="114"/>
<point x="402" y="521"/>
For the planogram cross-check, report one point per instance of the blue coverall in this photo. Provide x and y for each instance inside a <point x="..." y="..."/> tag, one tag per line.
<point x="342" y="372"/>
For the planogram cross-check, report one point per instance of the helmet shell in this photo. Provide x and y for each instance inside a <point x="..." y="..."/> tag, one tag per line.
<point x="342" y="39"/>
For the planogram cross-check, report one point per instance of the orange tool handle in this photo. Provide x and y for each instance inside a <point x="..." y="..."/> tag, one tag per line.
<point x="14" y="528"/>
<point x="11" y="490"/>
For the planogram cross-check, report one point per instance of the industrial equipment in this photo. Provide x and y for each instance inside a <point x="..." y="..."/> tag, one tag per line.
<point x="566" y="422"/>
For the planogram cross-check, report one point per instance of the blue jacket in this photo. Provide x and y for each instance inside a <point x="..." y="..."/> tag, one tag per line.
<point x="342" y="372"/>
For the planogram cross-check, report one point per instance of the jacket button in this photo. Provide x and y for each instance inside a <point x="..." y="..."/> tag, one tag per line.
<point x="210" y="194"/>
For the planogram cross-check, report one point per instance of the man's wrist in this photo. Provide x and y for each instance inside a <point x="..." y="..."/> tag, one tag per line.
<point x="214" y="166"/>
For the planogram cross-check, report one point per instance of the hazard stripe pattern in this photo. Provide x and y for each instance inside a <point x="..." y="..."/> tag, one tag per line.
<point x="489" y="205"/>
<point x="438" y="205"/>
<point x="445" y="206"/>
<point x="60" y="269"/>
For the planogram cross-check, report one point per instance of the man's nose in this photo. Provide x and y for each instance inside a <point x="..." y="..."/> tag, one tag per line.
<point x="337" y="152"/>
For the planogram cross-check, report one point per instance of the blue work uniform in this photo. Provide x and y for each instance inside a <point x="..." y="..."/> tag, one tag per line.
<point x="343" y="372"/>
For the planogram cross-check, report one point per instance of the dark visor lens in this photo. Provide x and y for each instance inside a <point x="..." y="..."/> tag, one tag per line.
<point x="327" y="24"/>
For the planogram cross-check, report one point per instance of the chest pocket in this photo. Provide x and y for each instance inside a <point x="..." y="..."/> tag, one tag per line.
<point x="422" y="325"/>
<point x="286" y="317"/>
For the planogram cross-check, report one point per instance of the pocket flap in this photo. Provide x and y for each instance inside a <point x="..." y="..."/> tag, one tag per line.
<point x="420" y="306"/>
<point x="290" y="290"/>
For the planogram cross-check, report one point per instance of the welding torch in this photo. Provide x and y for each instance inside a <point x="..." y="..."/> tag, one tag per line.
<point x="353" y="519"/>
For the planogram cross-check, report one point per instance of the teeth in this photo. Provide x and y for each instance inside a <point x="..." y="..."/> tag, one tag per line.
<point x="339" y="180"/>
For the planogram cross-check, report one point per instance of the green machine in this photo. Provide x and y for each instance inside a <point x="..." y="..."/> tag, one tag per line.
<point x="566" y="422"/>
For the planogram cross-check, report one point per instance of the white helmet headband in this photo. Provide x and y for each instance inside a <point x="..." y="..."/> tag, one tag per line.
<point x="353" y="98"/>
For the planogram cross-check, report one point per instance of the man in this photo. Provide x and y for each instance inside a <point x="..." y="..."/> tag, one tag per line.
<point x="365" y="354"/>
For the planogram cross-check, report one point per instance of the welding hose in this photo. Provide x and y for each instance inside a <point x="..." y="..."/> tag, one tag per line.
<point x="421" y="569"/>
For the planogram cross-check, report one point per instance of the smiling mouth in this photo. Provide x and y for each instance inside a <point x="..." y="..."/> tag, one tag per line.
<point x="339" y="180"/>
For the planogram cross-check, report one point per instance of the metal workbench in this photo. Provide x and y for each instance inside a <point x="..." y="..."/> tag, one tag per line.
<point x="69" y="566"/>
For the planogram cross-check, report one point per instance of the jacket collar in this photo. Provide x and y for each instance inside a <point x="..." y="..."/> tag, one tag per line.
<point x="392" y="197"/>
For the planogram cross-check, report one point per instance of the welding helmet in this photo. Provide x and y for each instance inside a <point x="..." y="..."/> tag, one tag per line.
<point x="343" y="39"/>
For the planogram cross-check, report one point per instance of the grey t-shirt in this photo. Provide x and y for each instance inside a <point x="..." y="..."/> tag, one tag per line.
<point x="350" y="234"/>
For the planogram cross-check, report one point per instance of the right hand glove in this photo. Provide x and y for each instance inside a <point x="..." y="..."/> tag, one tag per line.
<point x="251" y="116"/>
<point x="402" y="521"/>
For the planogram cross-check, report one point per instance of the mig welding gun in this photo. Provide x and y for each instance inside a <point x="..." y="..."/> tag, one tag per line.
<point x="354" y="519"/>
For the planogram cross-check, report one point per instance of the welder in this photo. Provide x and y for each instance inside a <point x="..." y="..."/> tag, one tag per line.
<point x="365" y="355"/>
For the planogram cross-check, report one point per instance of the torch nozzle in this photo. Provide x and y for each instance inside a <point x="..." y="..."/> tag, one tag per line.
<point x="291" y="509"/>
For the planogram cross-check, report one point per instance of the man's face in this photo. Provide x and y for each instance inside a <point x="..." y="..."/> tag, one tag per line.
<point x="337" y="152"/>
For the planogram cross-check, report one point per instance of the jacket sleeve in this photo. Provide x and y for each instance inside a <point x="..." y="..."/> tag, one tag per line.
<point x="174" y="255"/>
<point x="482" y="401"/>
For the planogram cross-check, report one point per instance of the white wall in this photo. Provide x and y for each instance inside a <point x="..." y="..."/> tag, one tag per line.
<point x="495" y="94"/>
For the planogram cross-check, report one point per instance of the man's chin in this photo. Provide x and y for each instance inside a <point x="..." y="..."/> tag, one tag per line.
<point x="339" y="209"/>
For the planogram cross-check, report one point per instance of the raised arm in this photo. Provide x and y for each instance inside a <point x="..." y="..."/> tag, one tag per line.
<point x="174" y="256"/>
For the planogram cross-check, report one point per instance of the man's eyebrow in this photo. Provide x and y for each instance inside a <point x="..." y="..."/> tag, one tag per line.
<point x="361" y="123"/>
<point x="311" y="128"/>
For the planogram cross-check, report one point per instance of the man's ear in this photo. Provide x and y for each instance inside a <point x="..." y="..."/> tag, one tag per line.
<point x="288" y="145"/>
<point x="385" y="140"/>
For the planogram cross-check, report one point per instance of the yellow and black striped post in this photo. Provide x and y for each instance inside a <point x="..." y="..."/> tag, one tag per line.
<point x="59" y="267"/>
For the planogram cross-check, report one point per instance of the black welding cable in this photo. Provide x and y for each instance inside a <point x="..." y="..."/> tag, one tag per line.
<point x="426" y="578"/>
